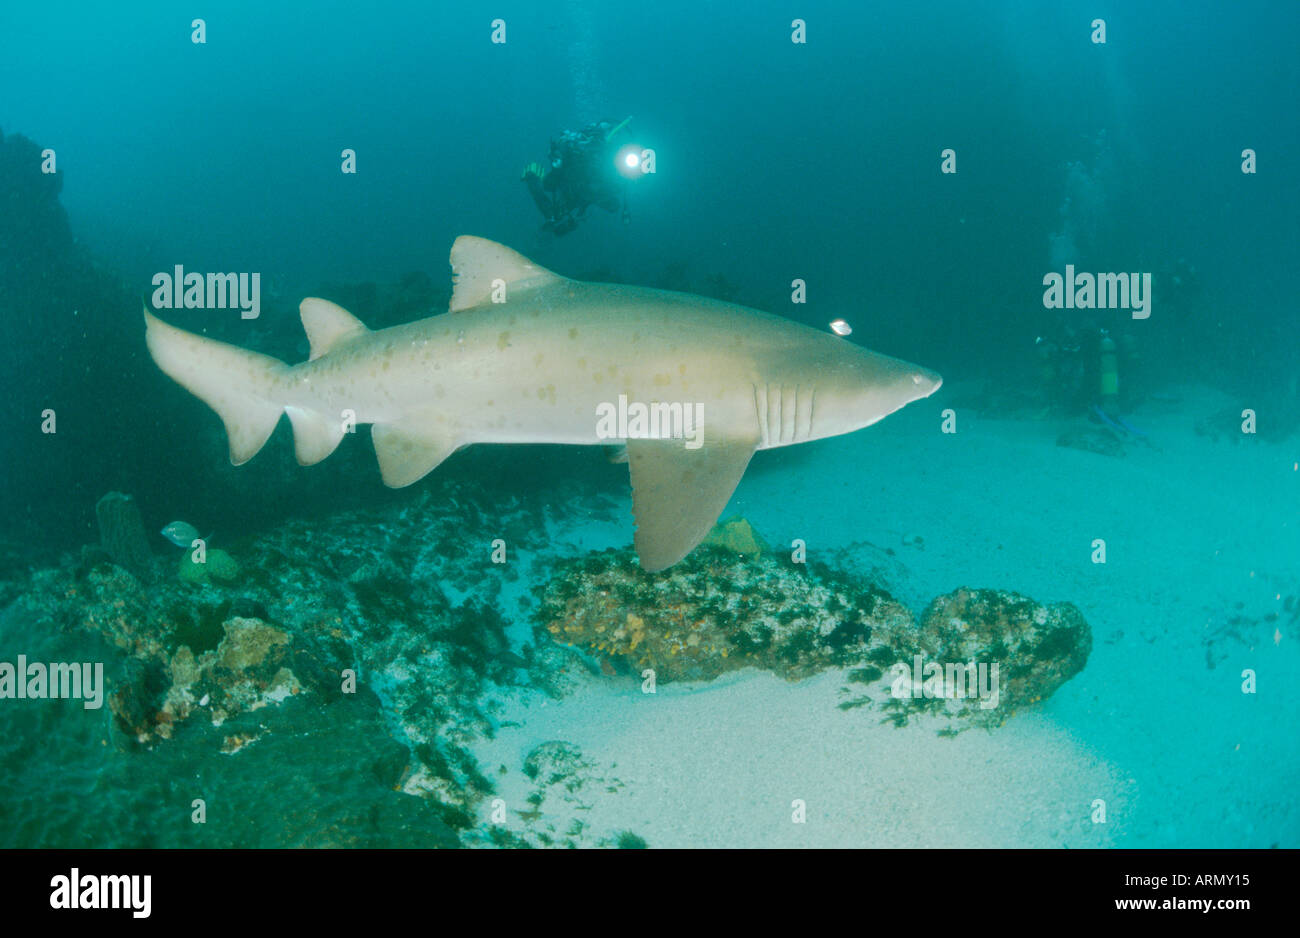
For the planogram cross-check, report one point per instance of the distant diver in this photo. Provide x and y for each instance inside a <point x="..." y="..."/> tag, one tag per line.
<point x="585" y="167"/>
<point x="1079" y="367"/>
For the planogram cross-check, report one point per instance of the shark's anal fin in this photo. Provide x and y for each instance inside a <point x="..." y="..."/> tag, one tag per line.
<point x="410" y="450"/>
<point x="477" y="264"/>
<point x="678" y="493"/>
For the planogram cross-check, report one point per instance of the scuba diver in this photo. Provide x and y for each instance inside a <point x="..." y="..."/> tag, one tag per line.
<point x="1079" y="367"/>
<point x="583" y="169"/>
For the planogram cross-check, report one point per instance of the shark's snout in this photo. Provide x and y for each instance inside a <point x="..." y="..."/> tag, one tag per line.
<point x="926" y="382"/>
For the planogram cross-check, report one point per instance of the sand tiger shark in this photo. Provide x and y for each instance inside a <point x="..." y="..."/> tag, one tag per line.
<point x="525" y="355"/>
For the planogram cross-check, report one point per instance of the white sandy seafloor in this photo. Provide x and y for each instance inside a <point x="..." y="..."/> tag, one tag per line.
<point x="1177" y="753"/>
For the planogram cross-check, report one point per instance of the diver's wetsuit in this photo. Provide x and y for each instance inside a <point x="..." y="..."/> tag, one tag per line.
<point x="580" y="175"/>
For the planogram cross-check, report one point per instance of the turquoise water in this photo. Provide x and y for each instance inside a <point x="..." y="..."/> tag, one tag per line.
<point x="377" y="671"/>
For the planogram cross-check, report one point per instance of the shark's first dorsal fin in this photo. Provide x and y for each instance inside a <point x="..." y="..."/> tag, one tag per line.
<point x="477" y="262"/>
<point x="327" y="325"/>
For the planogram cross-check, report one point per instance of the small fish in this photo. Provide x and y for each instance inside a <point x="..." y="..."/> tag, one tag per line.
<point x="181" y="533"/>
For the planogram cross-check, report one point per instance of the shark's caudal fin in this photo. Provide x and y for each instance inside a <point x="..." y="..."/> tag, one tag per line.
<point x="241" y="385"/>
<point x="237" y="384"/>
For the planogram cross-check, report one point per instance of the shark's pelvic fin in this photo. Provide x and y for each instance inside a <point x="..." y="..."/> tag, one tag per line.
<point x="239" y="385"/>
<point x="678" y="493"/>
<point x="328" y="325"/>
<point x="476" y="263"/>
<point x="408" y="451"/>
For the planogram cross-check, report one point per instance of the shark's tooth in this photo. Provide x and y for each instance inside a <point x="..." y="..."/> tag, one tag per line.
<point x="410" y="450"/>
<point x="678" y="493"/>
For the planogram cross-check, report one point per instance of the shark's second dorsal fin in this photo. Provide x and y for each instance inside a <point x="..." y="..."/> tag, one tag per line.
<point x="327" y="325"/>
<point x="476" y="263"/>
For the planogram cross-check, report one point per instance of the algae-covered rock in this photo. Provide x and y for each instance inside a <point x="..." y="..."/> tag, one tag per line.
<point x="1038" y="647"/>
<point x="555" y="762"/>
<point x="247" y="643"/>
<point x="248" y="670"/>
<point x="715" y="612"/>
<point x="975" y="657"/>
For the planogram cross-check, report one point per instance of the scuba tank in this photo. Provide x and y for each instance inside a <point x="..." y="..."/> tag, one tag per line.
<point x="1109" y="367"/>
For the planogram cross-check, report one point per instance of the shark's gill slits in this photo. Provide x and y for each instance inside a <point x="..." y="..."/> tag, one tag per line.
<point x="760" y="414"/>
<point x="789" y="407"/>
<point x="784" y="413"/>
<point x="804" y="414"/>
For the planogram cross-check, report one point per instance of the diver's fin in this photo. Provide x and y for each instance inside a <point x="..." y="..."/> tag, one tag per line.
<point x="477" y="262"/>
<point x="621" y="124"/>
<point x="239" y="385"/>
<point x="678" y="493"/>
<point x="314" y="435"/>
<point x="410" y="450"/>
<point x="327" y="325"/>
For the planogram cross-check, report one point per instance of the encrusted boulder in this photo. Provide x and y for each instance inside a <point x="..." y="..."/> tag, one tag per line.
<point x="975" y="657"/>
<point x="981" y="654"/>
<point x="715" y="612"/>
<point x="248" y="670"/>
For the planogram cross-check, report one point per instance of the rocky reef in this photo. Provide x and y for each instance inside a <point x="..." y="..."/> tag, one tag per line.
<point x="714" y="612"/>
<point x="367" y="655"/>
<point x="719" y="611"/>
<point x="386" y="614"/>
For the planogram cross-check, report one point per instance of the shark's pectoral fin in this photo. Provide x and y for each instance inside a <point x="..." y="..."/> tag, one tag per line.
<point x="678" y="493"/>
<point x="410" y="450"/>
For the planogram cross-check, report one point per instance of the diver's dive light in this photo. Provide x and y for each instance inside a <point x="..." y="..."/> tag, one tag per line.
<point x="628" y="160"/>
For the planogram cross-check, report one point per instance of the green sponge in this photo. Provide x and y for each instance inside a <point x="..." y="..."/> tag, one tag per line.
<point x="220" y="567"/>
